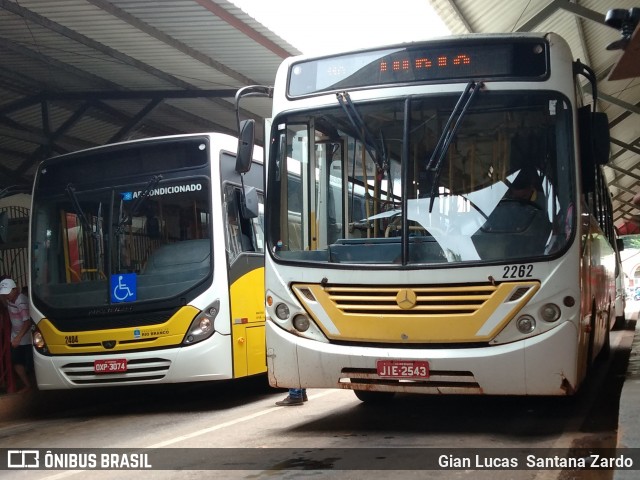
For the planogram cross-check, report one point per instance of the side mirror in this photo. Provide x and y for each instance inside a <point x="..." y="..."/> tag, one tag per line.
<point x="246" y="136"/>
<point x="250" y="203"/>
<point x="593" y="132"/>
<point x="601" y="138"/>
<point x="594" y="136"/>
<point x="620" y="244"/>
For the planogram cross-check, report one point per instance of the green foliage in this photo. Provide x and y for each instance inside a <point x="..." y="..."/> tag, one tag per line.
<point x="631" y="241"/>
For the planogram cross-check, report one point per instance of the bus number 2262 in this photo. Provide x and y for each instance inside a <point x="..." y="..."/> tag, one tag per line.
<point x="517" y="271"/>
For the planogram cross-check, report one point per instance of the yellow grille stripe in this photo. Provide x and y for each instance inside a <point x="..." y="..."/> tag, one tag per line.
<point x="440" y="315"/>
<point x="165" y="334"/>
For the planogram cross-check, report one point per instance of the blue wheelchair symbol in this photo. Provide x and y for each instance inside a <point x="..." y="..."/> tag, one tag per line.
<point x="123" y="287"/>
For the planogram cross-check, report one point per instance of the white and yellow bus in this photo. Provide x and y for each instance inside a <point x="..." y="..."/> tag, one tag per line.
<point x="147" y="264"/>
<point x="484" y="262"/>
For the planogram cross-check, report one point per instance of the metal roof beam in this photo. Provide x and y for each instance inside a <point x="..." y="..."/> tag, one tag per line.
<point x="111" y="93"/>
<point x="620" y="118"/>
<point x="541" y="16"/>
<point x="625" y="191"/>
<point x="583" y="12"/>
<point x="170" y="41"/>
<point x="44" y="149"/>
<point x="624" y="171"/>
<point x="13" y="153"/>
<point x="32" y="135"/>
<point x="17" y="82"/>
<point x="583" y="43"/>
<point x="99" y="47"/>
<point x="236" y="23"/>
<point x="459" y="14"/>
<point x="140" y="94"/>
<point x="626" y="146"/>
<point x="628" y="204"/>
<point x="621" y="103"/>
<point x="124" y="131"/>
<point x="114" y="95"/>
<point x="198" y="123"/>
<point x="623" y="188"/>
<point x="555" y="5"/>
<point x="29" y="134"/>
<point x="11" y="176"/>
<point x="51" y="62"/>
<point x="619" y="152"/>
<point x="89" y="42"/>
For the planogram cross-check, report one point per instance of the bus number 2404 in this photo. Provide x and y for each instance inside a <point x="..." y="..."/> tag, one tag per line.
<point x="517" y="271"/>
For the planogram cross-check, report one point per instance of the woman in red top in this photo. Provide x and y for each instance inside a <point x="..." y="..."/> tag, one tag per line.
<point x="18" y="308"/>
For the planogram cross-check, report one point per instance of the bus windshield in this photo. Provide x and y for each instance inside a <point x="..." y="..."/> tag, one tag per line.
<point x="392" y="182"/>
<point x="133" y="242"/>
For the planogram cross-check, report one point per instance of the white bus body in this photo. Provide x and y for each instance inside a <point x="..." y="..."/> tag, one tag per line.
<point x="452" y="283"/>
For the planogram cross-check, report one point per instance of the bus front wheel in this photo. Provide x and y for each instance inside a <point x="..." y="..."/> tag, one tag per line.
<point x="367" y="396"/>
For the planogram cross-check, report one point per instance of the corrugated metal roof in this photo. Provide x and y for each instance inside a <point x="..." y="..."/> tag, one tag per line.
<point x="48" y="48"/>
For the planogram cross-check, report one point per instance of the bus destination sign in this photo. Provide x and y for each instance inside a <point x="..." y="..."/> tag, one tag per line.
<point x="525" y="59"/>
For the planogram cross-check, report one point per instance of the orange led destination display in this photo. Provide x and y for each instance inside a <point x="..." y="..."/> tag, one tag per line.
<point x="524" y="59"/>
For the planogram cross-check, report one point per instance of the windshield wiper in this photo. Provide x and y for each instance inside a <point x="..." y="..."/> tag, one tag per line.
<point x="71" y="193"/>
<point x="99" y="239"/>
<point x="448" y="133"/>
<point x="125" y="218"/>
<point x="96" y="233"/>
<point x="365" y="137"/>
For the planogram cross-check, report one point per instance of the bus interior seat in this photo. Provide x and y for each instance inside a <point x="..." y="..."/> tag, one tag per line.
<point x="192" y="256"/>
<point x="513" y="230"/>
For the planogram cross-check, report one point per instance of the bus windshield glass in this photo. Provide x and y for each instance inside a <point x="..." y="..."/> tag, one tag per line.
<point x="127" y="241"/>
<point x="390" y="182"/>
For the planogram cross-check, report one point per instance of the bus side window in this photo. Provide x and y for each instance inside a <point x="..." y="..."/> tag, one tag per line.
<point x="239" y="231"/>
<point x="257" y="226"/>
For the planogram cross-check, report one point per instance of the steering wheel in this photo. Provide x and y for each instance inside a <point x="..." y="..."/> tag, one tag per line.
<point x="521" y="201"/>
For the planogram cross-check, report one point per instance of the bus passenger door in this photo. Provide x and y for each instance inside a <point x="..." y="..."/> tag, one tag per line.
<point x="245" y="256"/>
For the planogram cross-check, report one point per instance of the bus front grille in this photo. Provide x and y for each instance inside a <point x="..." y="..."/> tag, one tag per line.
<point x="439" y="382"/>
<point x="138" y="370"/>
<point x="471" y="313"/>
<point x="429" y="300"/>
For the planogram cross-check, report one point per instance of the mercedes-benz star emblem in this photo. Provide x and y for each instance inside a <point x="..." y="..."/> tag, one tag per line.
<point x="406" y="299"/>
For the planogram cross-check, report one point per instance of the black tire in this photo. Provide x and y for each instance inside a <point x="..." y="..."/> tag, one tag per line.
<point x="605" y="352"/>
<point x="591" y="342"/>
<point x="369" y="397"/>
<point x="620" y="323"/>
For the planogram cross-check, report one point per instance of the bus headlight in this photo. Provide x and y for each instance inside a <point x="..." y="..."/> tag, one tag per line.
<point x="526" y="324"/>
<point x="39" y="343"/>
<point x="282" y="311"/>
<point x="301" y="323"/>
<point x="201" y="327"/>
<point x="550" y="312"/>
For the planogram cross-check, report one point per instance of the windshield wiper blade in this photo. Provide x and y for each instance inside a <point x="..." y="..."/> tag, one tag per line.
<point x="364" y="135"/>
<point x="71" y="193"/>
<point x="448" y="133"/>
<point x="99" y="239"/>
<point x="153" y="183"/>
